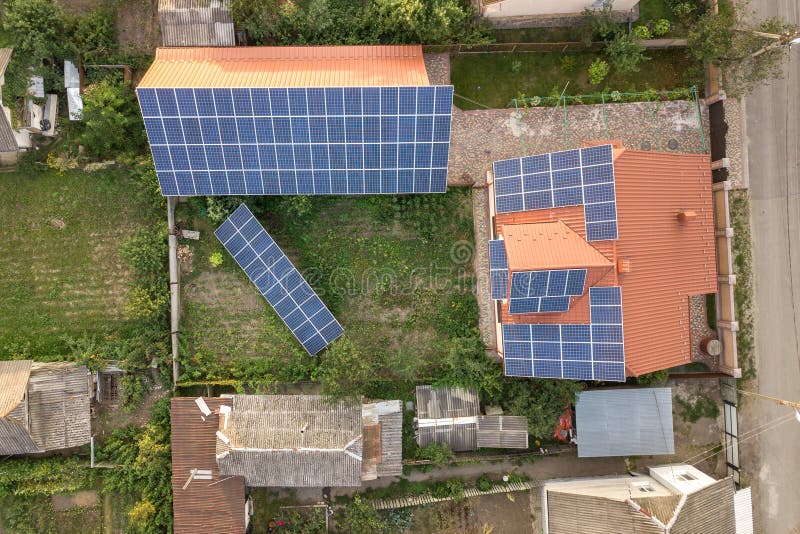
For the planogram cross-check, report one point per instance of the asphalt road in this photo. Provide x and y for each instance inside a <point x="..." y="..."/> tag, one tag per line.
<point x="772" y="123"/>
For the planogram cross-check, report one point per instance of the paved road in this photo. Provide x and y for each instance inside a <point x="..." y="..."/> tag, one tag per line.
<point x="773" y="139"/>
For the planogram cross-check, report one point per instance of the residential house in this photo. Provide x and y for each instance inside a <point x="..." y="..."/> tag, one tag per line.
<point x="196" y="23"/>
<point x="597" y="254"/>
<point x="624" y="422"/>
<point x="529" y="13"/>
<point x="221" y="446"/>
<point x="671" y="499"/>
<point x="452" y="416"/>
<point x="43" y="406"/>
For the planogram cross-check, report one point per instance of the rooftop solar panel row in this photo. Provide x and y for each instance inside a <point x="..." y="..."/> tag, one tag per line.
<point x="319" y="141"/>
<point x="278" y="280"/>
<point x="574" y="351"/>
<point x="498" y="269"/>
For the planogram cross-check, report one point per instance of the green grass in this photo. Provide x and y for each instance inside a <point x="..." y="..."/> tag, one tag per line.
<point x="56" y="281"/>
<point x="654" y="10"/>
<point x="495" y="79"/>
<point x="384" y="265"/>
<point x="539" y="35"/>
<point x="743" y="290"/>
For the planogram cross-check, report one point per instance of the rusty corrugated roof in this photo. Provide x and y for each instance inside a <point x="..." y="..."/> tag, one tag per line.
<point x="288" y="66"/>
<point x="215" y="506"/>
<point x="670" y="260"/>
<point x="549" y="245"/>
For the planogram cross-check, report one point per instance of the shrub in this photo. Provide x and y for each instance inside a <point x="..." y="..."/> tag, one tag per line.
<point x="216" y="259"/>
<point x="653" y="379"/>
<point x="642" y="32"/>
<point x="483" y="483"/>
<point x="344" y="371"/>
<point x="95" y="33"/>
<point x="625" y="53"/>
<point x="145" y="252"/>
<point x="453" y="489"/>
<point x="466" y="364"/>
<point x="568" y="63"/>
<point x="438" y="454"/>
<point x="133" y="390"/>
<point x="598" y="71"/>
<point x="359" y="517"/>
<point x="35" y="27"/>
<point x="598" y="25"/>
<point x="110" y="120"/>
<point x="696" y="408"/>
<point x="44" y="476"/>
<point x="661" y="27"/>
<point x="219" y="208"/>
<point x="147" y="303"/>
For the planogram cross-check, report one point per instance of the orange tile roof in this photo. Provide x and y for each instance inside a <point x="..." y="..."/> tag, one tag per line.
<point x="288" y="66"/>
<point x="549" y="245"/>
<point x="670" y="260"/>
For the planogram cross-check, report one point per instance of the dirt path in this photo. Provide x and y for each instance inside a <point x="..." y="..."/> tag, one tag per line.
<point x="82" y="499"/>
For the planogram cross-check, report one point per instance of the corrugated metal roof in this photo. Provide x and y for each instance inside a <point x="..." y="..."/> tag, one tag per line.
<point x="549" y="245"/>
<point x="213" y="506"/>
<point x="450" y="415"/>
<point x="196" y="23"/>
<point x="709" y="510"/>
<point x="625" y="422"/>
<point x="502" y="432"/>
<point x="288" y="66"/>
<point x="14" y="376"/>
<point x="388" y="416"/>
<point x="670" y="260"/>
<point x="58" y="403"/>
<point x="292" y="441"/>
<point x="571" y="513"/>
<point x="743" y="508"/>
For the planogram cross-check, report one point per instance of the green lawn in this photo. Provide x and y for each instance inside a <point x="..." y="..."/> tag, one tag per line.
<point x="384" y="265"/>
<point x="59" y="271"/>
<point x="655" y="10"/>
<point x="495" y="79"/>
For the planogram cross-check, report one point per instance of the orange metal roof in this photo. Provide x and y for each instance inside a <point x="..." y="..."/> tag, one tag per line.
<point x="549" y="245"/>
<point x="670" y="260"/>
<point x="288" y="66"/>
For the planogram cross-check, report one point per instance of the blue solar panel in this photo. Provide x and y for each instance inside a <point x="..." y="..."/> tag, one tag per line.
<point x="554" y="287"/>
<point x="278" y="280"/>
<point x="558" y="179"/>
<point x="245" y="134"/>
<point x="524" y="305"/>
<point x="498" y="269"/>
<point x="572" y="351"/>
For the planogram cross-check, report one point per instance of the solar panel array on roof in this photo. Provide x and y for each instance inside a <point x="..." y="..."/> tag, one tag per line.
<point x="278" y="280"/>
<point x="570" y="178"/>
<point x="299" y="141"/>
<point x="575" y="351"/>
<point x="545" y="291"/>
<point x="498" y="269"/>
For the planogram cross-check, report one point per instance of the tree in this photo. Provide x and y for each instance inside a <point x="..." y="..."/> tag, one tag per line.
<point x="467" y="365"/>
<point x="542" y="401"/>
<point x="95" y="33"/>
<point x="625" y="53"/>
<point x="36" y="28"/>
<point x="749" y="52"/>
<point x="111" y="120"/>
<point x="598" y="25"/>
<point x="344" y="371"/>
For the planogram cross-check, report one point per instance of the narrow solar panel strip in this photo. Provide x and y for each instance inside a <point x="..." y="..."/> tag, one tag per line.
<point x="299" y="141"/>
<point x="278" y="280"/>
<point x="592" y="351"/>
<point x="498" y="269"/>
<point x="570" y="178"/>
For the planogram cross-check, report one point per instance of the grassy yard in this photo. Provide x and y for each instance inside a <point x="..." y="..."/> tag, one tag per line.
<point x="384" y="265"/>
<point x="60" y="272"/>
<point x="495" y="79"/>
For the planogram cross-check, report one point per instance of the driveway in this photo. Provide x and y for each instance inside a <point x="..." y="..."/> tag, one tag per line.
<point x="772" y="116"/>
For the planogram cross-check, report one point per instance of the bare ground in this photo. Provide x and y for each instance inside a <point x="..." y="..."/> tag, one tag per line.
<point x="81" y="499"/>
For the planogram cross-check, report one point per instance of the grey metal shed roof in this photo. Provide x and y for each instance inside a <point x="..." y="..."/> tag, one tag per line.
<point x="451" y="417"/>
<point x="502" y="432"/>
<point x="625" y="422"/>
<point x="196" y="23"/>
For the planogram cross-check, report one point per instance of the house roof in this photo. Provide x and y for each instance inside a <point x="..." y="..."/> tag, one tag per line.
<point x="669" y="260"/>
<point x="196" y="23"/>
<point x="624" y="422"/>
<point x="292" y="441"/>
<point x="213" y="506"/>
<point x="447" y="415"/>
<point x="45" y="406"/>
<point x="597" y="511"/>
<point x="549" y="245"/>
<point x="383" y="439"/>
<point x="288" y="66"/>
<point x="14" y="376"/>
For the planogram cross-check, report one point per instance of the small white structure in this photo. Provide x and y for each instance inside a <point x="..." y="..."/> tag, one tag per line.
<point x="498" y="9"/>
<point x="72" y="82"/>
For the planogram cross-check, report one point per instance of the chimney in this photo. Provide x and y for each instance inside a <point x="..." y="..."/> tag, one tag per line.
<point x="685" y="216"/>
<point x="623" y="265"/>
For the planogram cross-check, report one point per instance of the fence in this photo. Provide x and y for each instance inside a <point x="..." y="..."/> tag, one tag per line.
<point x="417" y="500"/>
<point x="726" y="280"/>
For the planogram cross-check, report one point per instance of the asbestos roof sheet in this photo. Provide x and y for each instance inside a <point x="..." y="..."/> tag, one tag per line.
<point x="5" y="57"/>
<point x="288" y="66"/>
<point x="502" y="432"/>
<point x="447" y="415"/>
<point x="625" y="422"/>
<point x="14" y="376"/>
<point x="213" y="506"/>
<point x="549" y="245"/>
<point x="58" y="403"/>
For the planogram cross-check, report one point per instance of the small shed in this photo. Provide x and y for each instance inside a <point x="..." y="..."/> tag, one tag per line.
<point x="196" y="23"/>
<point x="625" y="422"/>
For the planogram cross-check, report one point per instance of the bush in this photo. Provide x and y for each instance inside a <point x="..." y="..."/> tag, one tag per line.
<point x="220" y="208"/>
<point x="452" y="489"/>
<point x="359" y="517"/>
<point x="466" y="364"/>
<point x="625" y="53"/>
<point x="111" y="122"/>
<point x="661" y="27"/>
<point x="699" y="406"/>
<point x="598" y="25"/>
<point x="133" y="390"/>
<point x="542" y="401"/>
<point x="568" y="63"/>
<point x="438" y="454"/>
<point x="216" y="259"/>
<point x="483" y="483"/>
<point x="147" y="303"/>
<point x="26" y="477"/>
<point x="458" y="315"/>
<point x="642" y="32"/>
<point x="36" y="29"/>
<point x="598" y="71"/>
<point x="343" y="370"/>
<point x="653" y="379"/>
<point x="145" y="252"/>
<point x="95" y="33"/>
